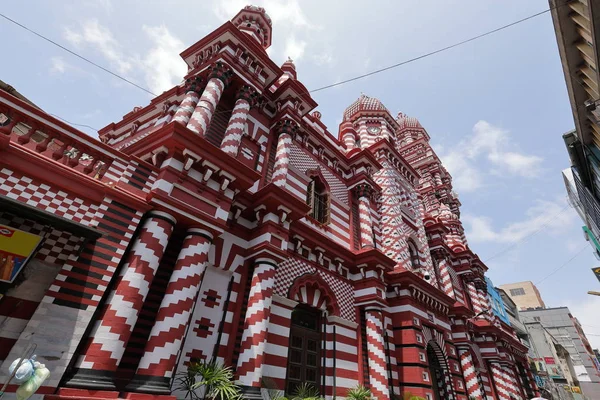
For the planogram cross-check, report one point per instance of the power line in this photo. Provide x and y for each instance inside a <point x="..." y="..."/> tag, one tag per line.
<point x="314" y="90"/>
<point x="77" y="55"/>
<point x="72" y="123"/>
<point x="563" y="265"/>
<point x="526" y="238"/>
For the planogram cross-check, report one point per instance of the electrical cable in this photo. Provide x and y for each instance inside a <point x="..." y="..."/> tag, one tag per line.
<point x="563" y="265"/>
<point x="77" y="55"/>
<point x="526" y="238"/>
<point x="73" y="123"/>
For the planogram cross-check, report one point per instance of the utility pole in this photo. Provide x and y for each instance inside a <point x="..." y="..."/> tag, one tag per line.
<point x="594" y="293"/>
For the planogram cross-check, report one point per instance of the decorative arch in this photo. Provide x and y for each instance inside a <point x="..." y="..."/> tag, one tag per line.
<point x="436" y="346"/>
<point x="312" y="290"/>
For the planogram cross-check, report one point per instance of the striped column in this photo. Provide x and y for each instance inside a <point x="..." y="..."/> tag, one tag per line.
<point x="219" y="78"/>
<point x="445" y="278"/>
<point x="502" y="389"/>
<point x="485" y="304"/>
<point x="511" y="379"/>
<point x="470" y="375"/>
<point x="246" y="96"/>
<point x="474" y="297"/>
<point x="104" y="350"/>
<point x="188" y="104"/>
<point x="285" y="128"/>
<point x="349" y="141"/>
<point x="160" y="355"/>
<point x="378" y="374"/>
<point x="531" y="381"/>
<point x="364" y="216"/>
<point x="254" y="338"/>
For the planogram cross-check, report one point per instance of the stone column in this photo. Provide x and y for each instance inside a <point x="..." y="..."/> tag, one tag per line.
<point x="470" y="374"/>
<point x="160" y="355"/>
<point x="511" y="379"/>
<point x="474" y="297"/>
<point x="100" y="358"/>
<point x="502" y="390"/>
<point x="285" y="128"/>
<point x="256" y="322"/>
<point x="363" y="193"/>
<point x="219" y="78"/>
<point x="185" y="110"/>
<point x="378" y="374"/>
<point x="245" y="99"/>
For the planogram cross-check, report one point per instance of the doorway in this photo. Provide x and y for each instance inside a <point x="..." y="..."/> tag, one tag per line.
<point x="436" y="373"/>
<point x="304" y="357"/>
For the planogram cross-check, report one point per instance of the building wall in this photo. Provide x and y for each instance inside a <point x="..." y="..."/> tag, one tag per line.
<point x="530" y="299"/>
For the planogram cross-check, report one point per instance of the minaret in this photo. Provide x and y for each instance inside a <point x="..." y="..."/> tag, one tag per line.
<point x="255" y="22"/>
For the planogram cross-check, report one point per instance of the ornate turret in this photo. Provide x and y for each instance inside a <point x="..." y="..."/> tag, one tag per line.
<point x="289" y="68"/>
<point x="364" y="105"/>
<point x="255" y="22"/>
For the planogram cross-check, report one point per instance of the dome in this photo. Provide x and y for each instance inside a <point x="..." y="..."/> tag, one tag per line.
<point x="364" y="103"/>
<point x="404" y="121"/>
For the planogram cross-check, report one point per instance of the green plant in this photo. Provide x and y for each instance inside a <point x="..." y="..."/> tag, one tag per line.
<point x="213" y="378"/>
<point x="306" y="391"/>
<point x="409" y="396"/>
<point x="359" y="393"/>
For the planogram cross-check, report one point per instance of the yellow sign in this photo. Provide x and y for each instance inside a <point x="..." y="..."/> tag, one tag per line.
<point x="575" y="389"/>
<point x="15" y="248"/>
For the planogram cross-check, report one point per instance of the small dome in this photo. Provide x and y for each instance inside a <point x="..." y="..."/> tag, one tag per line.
<point x="289" y="68"/>
<point x="404" y="121"/>
<point x="364" y="103"/>
<point x="259" y="10"/>
<point x="255" y="22"/>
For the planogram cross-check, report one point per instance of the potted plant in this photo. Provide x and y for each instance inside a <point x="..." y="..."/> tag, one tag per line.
<point x="359" y="393"/>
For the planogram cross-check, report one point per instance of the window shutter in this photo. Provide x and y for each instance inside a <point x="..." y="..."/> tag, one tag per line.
<point x="310" y="196"/>
<point x="218" y="124"/>
<point x="272" y="155"/>
<point x="327" y="208"/>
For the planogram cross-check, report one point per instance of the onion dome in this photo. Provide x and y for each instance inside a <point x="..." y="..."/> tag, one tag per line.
<point x="255" y="22"/>
<point x="404" y="121"/>
<point x="364" y="105"/>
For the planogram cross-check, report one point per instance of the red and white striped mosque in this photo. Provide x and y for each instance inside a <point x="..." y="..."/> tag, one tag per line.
<point x="224" y="222"/>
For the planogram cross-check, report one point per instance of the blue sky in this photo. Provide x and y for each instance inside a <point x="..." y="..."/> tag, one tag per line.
<point x="495" y="108"/>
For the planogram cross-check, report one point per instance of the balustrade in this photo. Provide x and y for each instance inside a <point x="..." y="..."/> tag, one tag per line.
<point x="65" y="148"/>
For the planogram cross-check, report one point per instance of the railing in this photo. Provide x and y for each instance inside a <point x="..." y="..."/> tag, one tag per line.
<point x="48" y="137"/>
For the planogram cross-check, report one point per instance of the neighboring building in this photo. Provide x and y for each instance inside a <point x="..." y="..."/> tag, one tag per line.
<point x="496" y="302"/>
<point x="513" y="317"/>
<point x="552" y="362"/>
<point x="576" y="34"/>
<point x="524" y="294"/>
<point x="562" y="326"/>
<point x="224" y="221"/>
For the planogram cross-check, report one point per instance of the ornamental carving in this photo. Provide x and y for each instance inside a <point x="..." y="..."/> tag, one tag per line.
<point x="248" y="93"/>
<point x="287" y="126"/>
<point x="222" y="72"/>
<point x="195" y="84"/>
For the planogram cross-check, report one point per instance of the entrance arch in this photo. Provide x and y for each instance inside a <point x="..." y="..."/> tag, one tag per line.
<point x="439" y="372"/>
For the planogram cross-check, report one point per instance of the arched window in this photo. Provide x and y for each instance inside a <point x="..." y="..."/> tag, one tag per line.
<point x="414" y="255"/>
<point x="318" y="198"/>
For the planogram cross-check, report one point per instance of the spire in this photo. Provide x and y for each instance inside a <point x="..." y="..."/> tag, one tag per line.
<point x="289" y="68"/>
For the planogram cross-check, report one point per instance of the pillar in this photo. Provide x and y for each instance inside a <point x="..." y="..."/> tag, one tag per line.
<point x="188" y="104"/>
<point x="474" y="297"/>
<point x="285" y="128"/>
<point x="447" y="285"/>
<point x="378" y="374"/>
<point x="160" y="355"/>
<point x="364" y="215"/>
<point x="100" y="358"/>
<point x="350" y="141"/>
<point x="502" y="390"/>
<point x="245" y="98"/>
<point x="485" y="304"/>
<point x="256" y="322"/>
<point x="470" y="374"/>
<point x="511" y="378"/>
<point x="219" y="78"/>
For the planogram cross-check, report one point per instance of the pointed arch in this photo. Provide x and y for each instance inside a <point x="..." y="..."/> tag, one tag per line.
<point x="312" y="290"/>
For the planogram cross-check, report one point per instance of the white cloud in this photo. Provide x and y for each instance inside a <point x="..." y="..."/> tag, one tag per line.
<point x="490" y="145"/>
<point x="286" y="12"/>
<point x="58" y="64"/>
<point x="100" y="37"/>
<point x="325" y="58"/>
<point x="162" y="64"/>
<point x="544" y="215"/>
<point x="161" y="67"/>
<point x="294" y="48"/>
<point x="587" y="314"/>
